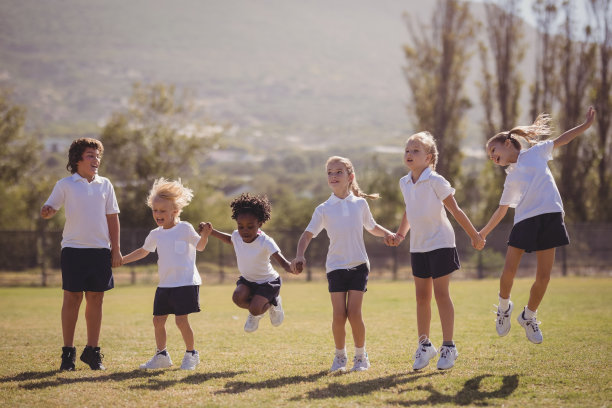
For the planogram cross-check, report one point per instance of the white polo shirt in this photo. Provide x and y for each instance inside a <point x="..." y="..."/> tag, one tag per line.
<point x="254" y="257"/>
<point x="87" y="205"/>
<point x="344" y="221"/>
<point x="176" y="252"/>
<point x="429" y="226"/>
<point x="530" y="186"/>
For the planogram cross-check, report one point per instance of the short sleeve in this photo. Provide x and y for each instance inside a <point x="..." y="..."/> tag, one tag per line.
<point x="111" y="201"/>
<point x="316" y="222"/>
<point x="512" y="193"/>
<point x="368" y="219"/>
<point x="192" y="236"/>
<point x="150" y="243"/>
<point x="271" y="246"/>
<point x="441" y="187"/>
<point x="545" y="149"/>
<point x="57" y="197"/>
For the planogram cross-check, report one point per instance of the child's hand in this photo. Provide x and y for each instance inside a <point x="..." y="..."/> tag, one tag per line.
<point x="389" y="240"/>
<point x="590" y="116"/>
<point x="478" y="242"/>
<point x="205" y="229"/>
<point x="297" y="265"/>
<point x="47" y="212"/>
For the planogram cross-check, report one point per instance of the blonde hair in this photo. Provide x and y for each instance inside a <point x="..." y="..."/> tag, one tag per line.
<point x="531" y="134"/>
<point x="427" y="140"/>
<point x="172" y="190"/>
<point x="353" y="186"/>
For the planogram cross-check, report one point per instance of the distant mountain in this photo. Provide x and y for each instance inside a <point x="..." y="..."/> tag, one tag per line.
<point x="316" y="70"/>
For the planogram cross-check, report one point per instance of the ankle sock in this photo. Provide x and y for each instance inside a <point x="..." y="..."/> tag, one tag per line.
<point x="360" y="351"/>
<point x="162" y="352"/>
<point x="504" y="304"/>
<point x="528" y="314"/>
<point x="341" y="352"/>
<point x="450" y="343"/>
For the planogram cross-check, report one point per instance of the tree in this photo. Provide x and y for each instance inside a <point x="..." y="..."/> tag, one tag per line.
<point x="157" y="135"/>
<point x="437" y="65"/>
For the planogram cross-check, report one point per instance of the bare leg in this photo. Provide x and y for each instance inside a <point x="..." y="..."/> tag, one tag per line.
<point x="259" y="305"/>
<point x="242" y="296"/>
<point x="545" y="259"/>
<point x="338" y="300"/>
<point x="70" y="315"/>
<point x="93" y="316"/>
<point x="423" y="288"/>
<point x="355" y="318"/>
<point x="182" y="322"/>
<point x="159" y="324"/>
<point x="513" y="258"/>
<point x="445" y="306"/>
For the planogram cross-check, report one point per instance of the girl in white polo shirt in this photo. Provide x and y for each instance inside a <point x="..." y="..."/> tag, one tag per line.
<point x="538" y="218"/>
<point x="432" y="244"/>
<point x="176" y="243"/>
<point x="344" y="215"/>
<point x="258" y="288"/>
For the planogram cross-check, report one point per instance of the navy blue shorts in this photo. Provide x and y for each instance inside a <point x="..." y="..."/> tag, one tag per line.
<point x="178" y="301"/>
<point x="434" y="264"/>
<point x="269" y="290"/>
<point x="343" y="280"/>
<point x="86" y="269"/>
<point x="538" y="233"/>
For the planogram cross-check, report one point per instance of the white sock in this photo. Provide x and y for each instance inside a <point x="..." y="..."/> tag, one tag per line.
<point x="504" y="304"/>
<point x="529" y="314"/>
<point x="341" y="352"/>
<point x="360" y="351"/>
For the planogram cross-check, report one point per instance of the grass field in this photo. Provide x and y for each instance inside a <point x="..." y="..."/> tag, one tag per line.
<point x="287" y="365"/>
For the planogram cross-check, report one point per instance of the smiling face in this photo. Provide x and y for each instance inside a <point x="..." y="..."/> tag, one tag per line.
<point x="87" y="167"/>
<point x="339" y="179"/>
<point x="502" y="153"/>
<point x="164" y="213"/>
<point x="415" y="156"/>
<point x="248" y="226"/>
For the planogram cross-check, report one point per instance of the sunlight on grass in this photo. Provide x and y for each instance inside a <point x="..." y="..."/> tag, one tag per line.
<point x="287" y="366"/>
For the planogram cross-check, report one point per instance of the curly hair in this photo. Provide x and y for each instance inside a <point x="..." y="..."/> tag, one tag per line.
<point x="75" y="153"/>
<point x="172" y="190"/>
<point x="257" y="205"/>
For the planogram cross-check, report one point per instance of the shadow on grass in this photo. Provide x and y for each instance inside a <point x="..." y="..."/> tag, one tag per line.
<point x="470" y="394"/>
<point x="29" y="375"/>
<point x="364" y="387"/>
<point x="58" y="381"/>
<point x="236" y="387"/>
<point x="158" y="384"/>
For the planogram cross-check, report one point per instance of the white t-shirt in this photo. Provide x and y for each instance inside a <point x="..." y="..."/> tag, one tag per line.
<point x="530" y="186"/>
<point x="87" y="205"/>
<point x="176" y="252"/>
<point x="254" y="257"/>
<point x="429" y="226"/>
<point x="344" y="221"/>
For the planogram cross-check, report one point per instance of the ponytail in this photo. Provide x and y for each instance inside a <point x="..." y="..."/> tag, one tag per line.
<point x="353" y="186"/>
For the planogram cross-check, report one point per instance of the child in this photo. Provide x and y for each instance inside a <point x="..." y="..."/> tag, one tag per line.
<point x="538" y="218"/>
<point x="344" y="215"/>
<point x="90" y="246"/>
<point x="432" y="244"/>
<point x="179" y="281"/>
<point x="258" y="287"/>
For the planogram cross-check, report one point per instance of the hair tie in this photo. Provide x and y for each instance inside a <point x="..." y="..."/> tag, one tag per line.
<point x="509" y="135"/>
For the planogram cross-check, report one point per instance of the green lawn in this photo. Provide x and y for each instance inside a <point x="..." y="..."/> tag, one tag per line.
<point x="287" y="365"/>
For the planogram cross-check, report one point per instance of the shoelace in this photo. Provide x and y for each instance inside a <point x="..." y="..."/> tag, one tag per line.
<point x="534" y="324"/>
<point x="421" y="348"/>
<point x="501" y="315"/>
<point x="444" y="351"/>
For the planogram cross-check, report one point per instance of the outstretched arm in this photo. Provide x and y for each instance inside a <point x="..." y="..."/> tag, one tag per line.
<point x="113" y="230"/>
<point x="134" y="256"/>
<point x="497" y="216"/>
<point x="451" y="205"/>
<point x="400" y="235"/>
<point x="227" y="238"/>
<point x="282" y="261"/>
<point x="571" y="134"/>
<point x="380" y="231"/>
<point x="204" y="229"/>
<point x="47" y="212"/>
<point x="299" y="262"/>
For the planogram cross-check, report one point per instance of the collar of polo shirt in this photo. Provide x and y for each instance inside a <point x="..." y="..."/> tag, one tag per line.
<point x="77" y="177"/>
<point x="424" y="175"/>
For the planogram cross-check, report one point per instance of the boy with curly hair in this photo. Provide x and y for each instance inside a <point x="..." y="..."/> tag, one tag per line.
<point x="90" y="246"/>
<point x="259" y="284"/>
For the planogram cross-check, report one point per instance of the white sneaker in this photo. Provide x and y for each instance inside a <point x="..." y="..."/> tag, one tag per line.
<point x="252" y="323"/>
<point x="159" y="360"/>
<point x="190" y="361"/>
<point x="502" y="322"/>
<point x="361" y="363"/>
<point x="448" y="355"/>
<point x="531" y="328"/>
<point x="339" y="364"/>
<point x="423" y="354"/>
<point x="277" y="315"/>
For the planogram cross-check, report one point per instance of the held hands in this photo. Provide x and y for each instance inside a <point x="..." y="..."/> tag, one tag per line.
<point x="478" y="242"/>
<point x="205" y="229"/>
<point x="297" y="265"/>
<point x="47" y="212"/>
<point x="116" y="258"/>
<point x="393" y="240"/>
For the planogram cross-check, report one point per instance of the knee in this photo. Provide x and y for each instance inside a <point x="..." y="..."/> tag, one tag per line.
<point x="340" y="316"/>
<point x="159" y="321"/>
<point x="354" y="316"/>
<point x="543" y="279"/>
<point x="257" y="310"/>
<point x="423" y="299"/>
<point x="73" y="298"/>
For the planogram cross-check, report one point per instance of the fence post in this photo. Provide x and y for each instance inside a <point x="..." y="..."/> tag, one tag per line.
<point x="221" y="272"/>
<point x="41" y="246"/>
<point x="395" y="262"/>
<point x="563" y="261"/>
<point x="480" y="266"/>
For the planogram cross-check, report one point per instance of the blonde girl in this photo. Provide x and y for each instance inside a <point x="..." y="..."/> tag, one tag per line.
<point x="344" y="215"/>
<point x="177" y="293"/>
<point x="433" y="254"/>
<point x="538" y="218"/>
